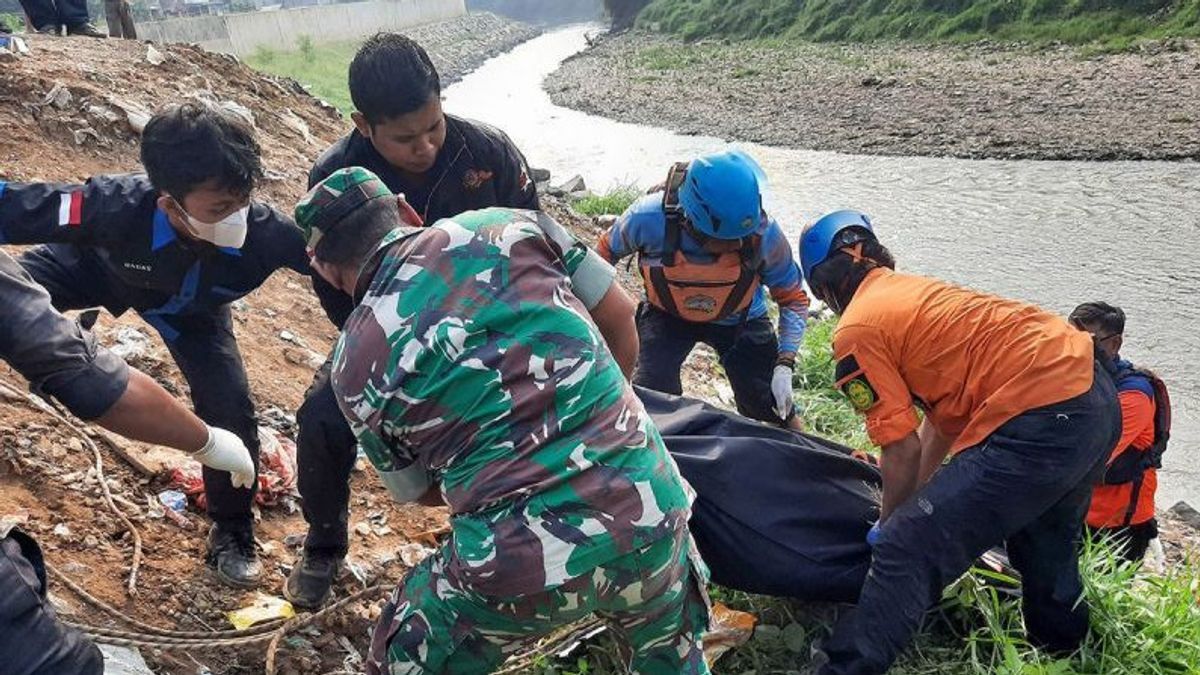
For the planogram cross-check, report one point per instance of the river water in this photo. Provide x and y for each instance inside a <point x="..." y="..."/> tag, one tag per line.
<point x="1054" y="233"/>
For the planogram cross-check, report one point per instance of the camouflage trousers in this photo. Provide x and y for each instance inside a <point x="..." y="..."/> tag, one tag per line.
<point x="653" y="600"/>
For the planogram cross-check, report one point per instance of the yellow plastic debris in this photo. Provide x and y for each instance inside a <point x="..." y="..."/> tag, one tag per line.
<point x="728" y="628"/>
<point x="264" y="608"/>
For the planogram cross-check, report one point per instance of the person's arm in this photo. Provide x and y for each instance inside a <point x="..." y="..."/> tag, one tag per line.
<point x="43" y="213"/>
<point x="615" y="317"/>
<point x="287" y="244"/>
<point x="934" y="447"/>
<point x="622" y="239"/>
<point x="147" y="413"/>
<point x="900" y="465"/>
<point x="514" y="180"/>
<point x="1137" y="417"/>
<point x="63" y="361"/>
<point x="594" y="282"/>
<point x="781" y="275"/>
<point x="867" y="374"/>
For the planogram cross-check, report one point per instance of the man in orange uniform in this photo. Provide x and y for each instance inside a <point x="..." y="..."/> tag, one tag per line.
<point x="1123" y="506"/>
<point x="1012" y="392"/>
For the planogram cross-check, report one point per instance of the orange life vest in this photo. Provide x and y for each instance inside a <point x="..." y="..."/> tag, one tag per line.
<point x="698" y="292"/>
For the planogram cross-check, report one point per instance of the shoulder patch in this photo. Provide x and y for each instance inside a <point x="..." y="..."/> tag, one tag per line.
<point x="854" y="383"/>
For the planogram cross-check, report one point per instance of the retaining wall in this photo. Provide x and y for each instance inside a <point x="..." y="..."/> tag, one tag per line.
<point x="242" y="33"/>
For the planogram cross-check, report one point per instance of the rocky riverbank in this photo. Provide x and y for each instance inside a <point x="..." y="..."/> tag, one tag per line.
<point x="978" y="101"/>
<point x="461" y="45"/>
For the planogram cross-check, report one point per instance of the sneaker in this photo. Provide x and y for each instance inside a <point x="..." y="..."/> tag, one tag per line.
<point x="232" y="557"/>
<point x="312" y="578"/>
<point x="86" y="29"/>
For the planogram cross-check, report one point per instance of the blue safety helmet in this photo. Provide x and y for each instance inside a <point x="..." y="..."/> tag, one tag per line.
<point x="831" y="232"/>
<point x="721" y="196"/>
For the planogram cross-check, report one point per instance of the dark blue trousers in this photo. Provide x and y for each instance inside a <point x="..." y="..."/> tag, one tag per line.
<point x="205" y="351"/>
<point x="32" y="641"/>
<point x="45" y="13"/>
<point x="1028" y="485"/>
<point x="747" y="353"/>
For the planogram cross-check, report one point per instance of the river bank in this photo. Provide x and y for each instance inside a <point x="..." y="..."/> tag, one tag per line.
<point x="977" y="101"/>
<point x="456" y="47"/>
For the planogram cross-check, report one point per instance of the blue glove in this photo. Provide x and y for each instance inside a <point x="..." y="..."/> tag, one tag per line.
<point x="873" y="535"/>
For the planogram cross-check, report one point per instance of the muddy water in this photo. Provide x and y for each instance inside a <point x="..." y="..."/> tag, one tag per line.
<point x="1055" y="233"/>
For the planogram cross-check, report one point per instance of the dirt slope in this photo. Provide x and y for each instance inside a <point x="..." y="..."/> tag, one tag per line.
<point x="45" y="475"/>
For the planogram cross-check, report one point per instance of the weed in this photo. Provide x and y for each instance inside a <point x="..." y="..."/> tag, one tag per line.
<point x="308" y="51"/>
<point x="614" y="202"/>
<point x="264" y="55"/>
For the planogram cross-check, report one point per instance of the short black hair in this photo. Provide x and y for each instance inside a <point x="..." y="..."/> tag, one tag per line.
<point x="357" y="235"/>
<point x="841" y="275"/>
<point x="1101" y="315"/>
<point x="392" y="75"/>
<point x="188" y="144"/>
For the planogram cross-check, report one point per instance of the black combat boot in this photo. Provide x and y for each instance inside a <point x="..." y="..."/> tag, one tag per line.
<point x="232" y="557"/>
<point x="308" y="585"/>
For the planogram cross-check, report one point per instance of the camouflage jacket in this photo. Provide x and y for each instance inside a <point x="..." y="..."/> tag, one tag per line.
<point x="470" y="362"/>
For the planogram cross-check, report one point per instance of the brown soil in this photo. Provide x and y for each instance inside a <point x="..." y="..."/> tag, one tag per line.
<point x="45" y="473"/>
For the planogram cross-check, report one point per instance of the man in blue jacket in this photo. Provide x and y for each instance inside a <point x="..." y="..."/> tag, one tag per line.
<point x="706" y="250"/>
<point x="176" y="245"/>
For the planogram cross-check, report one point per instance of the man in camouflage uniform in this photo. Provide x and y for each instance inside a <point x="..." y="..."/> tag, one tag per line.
<point x="472" y="367"/>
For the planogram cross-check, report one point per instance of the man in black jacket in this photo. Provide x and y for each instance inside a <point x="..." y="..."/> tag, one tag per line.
<point x="443" y="165"/>
<point x="177" y="246"/>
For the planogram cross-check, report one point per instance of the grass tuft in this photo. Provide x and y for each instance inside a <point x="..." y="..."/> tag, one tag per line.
<point x="612" y="203"/>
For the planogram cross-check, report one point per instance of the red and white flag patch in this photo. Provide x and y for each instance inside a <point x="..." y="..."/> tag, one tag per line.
<point x="70" y="209"/>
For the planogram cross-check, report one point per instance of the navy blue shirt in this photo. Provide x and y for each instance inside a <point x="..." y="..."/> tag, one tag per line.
<point x="114" y="225"/>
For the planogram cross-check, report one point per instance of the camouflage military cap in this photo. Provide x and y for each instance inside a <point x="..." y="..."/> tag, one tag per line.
<point x="331" y="200"/>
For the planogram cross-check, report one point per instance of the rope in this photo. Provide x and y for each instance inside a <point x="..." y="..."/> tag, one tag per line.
<point x="274" y="634"/>
<point x="151" y="629"/>
<point x="108" y="498"/>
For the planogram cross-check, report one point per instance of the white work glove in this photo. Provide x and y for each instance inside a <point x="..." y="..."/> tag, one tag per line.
<point x="781" y="390"/>
<point x="226" y="452"/>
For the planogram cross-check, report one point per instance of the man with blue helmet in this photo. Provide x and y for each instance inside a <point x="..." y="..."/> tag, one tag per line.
<point x="1013" y="393"/>
<point x="706" y="249"/>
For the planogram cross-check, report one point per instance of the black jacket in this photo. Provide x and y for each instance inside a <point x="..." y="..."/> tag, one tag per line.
<point x="477" y="167"/>
<point x="115" y="225"/>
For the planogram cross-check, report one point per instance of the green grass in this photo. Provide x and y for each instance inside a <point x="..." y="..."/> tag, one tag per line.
<point x="321" y="68"/>
<point x="1141" y="624"/>
<point x="15" y="22"/>
<point x="1114" y="23"/>
<point x="612" y="203"/>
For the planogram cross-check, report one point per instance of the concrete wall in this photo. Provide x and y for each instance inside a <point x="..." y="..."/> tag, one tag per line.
<point x="241" y="34"/>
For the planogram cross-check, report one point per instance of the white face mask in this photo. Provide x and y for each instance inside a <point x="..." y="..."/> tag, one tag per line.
<point x="229" y="232"/>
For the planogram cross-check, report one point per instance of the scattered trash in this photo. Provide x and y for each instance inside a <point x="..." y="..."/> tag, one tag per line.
<point x="264" y="608"/>
<point x="13" y="46"/>
<point x="173" y="500"/>
<point x="61" y="530"/>
<point x="302" y="356"/>
<point x="131" y="343"/>
<point x="58" y="96"/>
<point x="728" y="628"/>
<point x="136" y="115"/>
<point x="288" y="336"/>
<point x="154" y="57"/>
<point x="11" y="521"/>
<point x="294" y="122"/>
<point x="294" y="540"/>
<point x="124" y="661"/>
<point x="413" y="554"/>
<point x="276" y="473"/>
<point x="82" y="135"/>
<point x="363" y="528"/>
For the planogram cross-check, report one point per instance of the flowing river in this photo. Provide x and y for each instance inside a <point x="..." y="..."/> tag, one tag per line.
<point x="1054" y="233"/>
